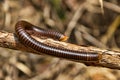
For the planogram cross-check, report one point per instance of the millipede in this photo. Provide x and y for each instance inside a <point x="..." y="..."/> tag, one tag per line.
<point x="24" y="29"/>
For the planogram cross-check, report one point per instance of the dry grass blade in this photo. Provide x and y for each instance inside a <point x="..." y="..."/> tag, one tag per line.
<point x="101" y="4"/>
<point x="75" y="18"/>
<point x="111" y="6"/>
<point x="111" y="30"/>
<point x="23" y="68"/>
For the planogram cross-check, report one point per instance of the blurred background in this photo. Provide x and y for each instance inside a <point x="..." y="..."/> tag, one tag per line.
<point x="86" y="22"/>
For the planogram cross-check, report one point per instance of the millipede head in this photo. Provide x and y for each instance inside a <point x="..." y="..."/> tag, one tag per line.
<point x="63" y="38"/>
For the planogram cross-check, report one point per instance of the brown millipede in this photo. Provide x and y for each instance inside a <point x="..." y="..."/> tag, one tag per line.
<point x="37" y="31"/>
<point x="22" y="31"/>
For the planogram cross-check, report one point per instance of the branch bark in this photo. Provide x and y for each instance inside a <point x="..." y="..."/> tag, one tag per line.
<point x="110" y="59"/>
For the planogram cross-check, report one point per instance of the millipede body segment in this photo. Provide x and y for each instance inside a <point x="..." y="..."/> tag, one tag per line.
<point x="23" y="30"/>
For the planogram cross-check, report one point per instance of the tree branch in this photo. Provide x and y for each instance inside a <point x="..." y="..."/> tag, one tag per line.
<point x="110" y="59"/>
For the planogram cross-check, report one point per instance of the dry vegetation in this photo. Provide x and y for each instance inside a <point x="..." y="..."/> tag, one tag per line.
<point x="85" y="22"/>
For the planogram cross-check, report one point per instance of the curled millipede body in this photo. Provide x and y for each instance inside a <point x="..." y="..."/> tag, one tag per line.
<point x="22" y="29"/>
<point x="37" y="31"/>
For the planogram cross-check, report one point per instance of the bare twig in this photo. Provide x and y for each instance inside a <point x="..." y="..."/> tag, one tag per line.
<point x="109" y="59"/>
